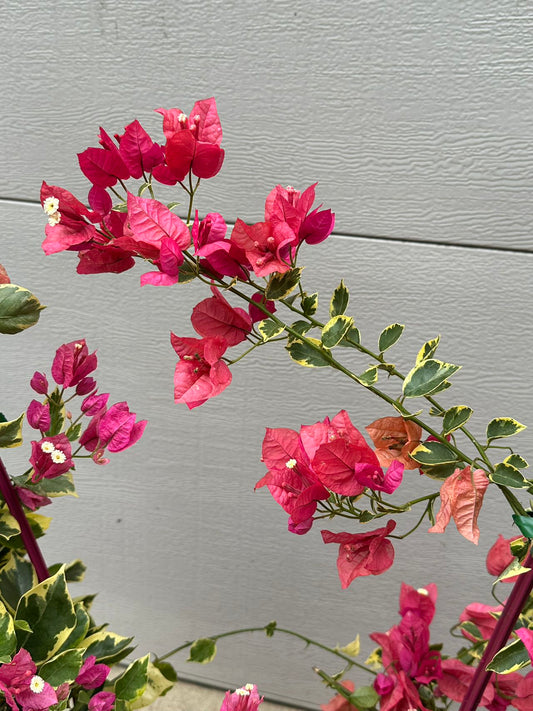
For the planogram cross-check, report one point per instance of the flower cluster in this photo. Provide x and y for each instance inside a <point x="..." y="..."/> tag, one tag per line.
<point x="244" y="699"/>
<point x="330" y="456"/>
<point x="414" y="674"/>
<point x="24" y="689"/>
<point x="319" y="471"/>
<point x="113" y="429"/>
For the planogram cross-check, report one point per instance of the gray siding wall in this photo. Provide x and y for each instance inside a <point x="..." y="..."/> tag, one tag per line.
<point x="415" y="117"/>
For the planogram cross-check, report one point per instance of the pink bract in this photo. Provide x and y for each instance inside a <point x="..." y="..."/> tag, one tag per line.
<point x="72" y="363"/>
<point x="339" y="702"/>
<point x="500" y="557"/>
<point x="216" y="317"/>
<point x="422" y="601"/>
<point x="138" y="151"/>
<point x="244" y="699"/>
<point x="38" y="415"/>
<point x="92" y="675"/>
<point x="51" y="457"/>
<point x="461" y="498"/>
<point x="15" y="682"/>
<point x="102" y="701"/>
<point x="193" y="143"/>
<point x="200" y="373"/>
<point x="362" y="554"/>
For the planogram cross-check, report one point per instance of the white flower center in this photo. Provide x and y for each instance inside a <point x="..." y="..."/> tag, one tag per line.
<point x="36" y="684"/>
<point x="51" y="208"/>
<point x="291" y="463"/>
<point x="48" y="447"/>
<point x="51" y="205"/>
<point x="58" y="457"/>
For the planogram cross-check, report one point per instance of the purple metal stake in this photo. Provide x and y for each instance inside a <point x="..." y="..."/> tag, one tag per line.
<point x="505" y="625"/>
<point x="15" y="507"/>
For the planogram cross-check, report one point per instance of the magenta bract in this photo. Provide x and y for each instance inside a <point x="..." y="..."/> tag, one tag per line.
<point x="72" y="363"/>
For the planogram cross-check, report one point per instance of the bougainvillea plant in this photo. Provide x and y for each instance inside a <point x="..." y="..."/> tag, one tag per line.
<point x="255" y="297"/>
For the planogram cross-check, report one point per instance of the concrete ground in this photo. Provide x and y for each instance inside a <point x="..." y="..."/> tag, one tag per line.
<point x="191" y="697"/>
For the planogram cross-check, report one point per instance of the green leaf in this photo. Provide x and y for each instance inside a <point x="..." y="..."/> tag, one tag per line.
<point x="440" y="471"/>
<point x="525" y="524"/>
<point x="303" y="353"/>
<point x="62" y="485"/>
<point x="426" y="377"/>
<point x="202" y="651"/>
<point x="300" y="327"/>
<point x="8" y="526"/>
<point x="364" y="697"/>
<point x="8" y="638"/>
<point x="455" y="417"/>
<point x="472" y="629"/>
<point x="57" y="413"/>
<point x="427" y="350"/>
<point x="269" y="329"/>
<point x="280" y="285"/>
<point x="353" y="336"/>
<point x="19" y="308"/>
<point x="187" y="272"/>
<point x="131" y="684"/>
<point x="11" y="432"/>
<point x="157" y="685"/>
<point x="510" y="659"/>
<point x="167" y="670"/>
<point x="432" y="453"/>
<point x="389" y="336"/>
<point x="49" y="611"/>
<point x="514" y="568"/>
<point x="63" y="668"/>
<point x="38" y="524"/>
<point x="22" y="625"/>
<point x="269" y="629"/>
<point x="74" y="571"/>
<point x="309" y="304"/>
<point x="339" y="300"/>
<point x="105" y="646"/>
<point x="503" y="427"/>
<point x="352" y="649"/>
<point x="506" y="475"/>
<point x="80" y="630"/>
<point x="17" y="576"/>
<point x="335" y="330"/>
<point x="73" y="432"/>
<point x="369" y="377"/>
<point x="515" y="460"/>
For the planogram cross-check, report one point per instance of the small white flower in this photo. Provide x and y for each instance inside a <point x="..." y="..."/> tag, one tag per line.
<point x="242" y="692"/>
<point x="51" y="205"/>
<point x="48" y="447"/>
<point x="58" y="457"/>
<point x="36" y="684"/>
<point x="182" y="118"/>
<point x="291" y="463"/>
<point x="422" y="591"/>
<point x="54" y="219"/>
<point x="248" y="687"/>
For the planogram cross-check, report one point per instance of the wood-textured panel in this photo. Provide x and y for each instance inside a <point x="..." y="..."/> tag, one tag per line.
<point x="174" y="536"/>
<point x="415" y="117"/>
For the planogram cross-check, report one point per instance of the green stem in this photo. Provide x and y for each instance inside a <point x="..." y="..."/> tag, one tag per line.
<point x="307" y="640"/>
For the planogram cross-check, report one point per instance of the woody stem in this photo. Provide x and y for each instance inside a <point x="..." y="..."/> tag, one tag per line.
<point x="15" y="508"/>
<point x="505" y="625"/>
